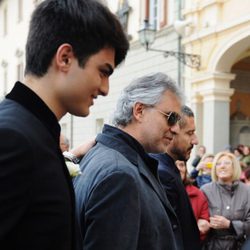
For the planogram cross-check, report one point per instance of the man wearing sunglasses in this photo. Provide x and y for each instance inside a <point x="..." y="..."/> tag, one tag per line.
<point x="180" y="149"/>
<point x="120" y="201"/>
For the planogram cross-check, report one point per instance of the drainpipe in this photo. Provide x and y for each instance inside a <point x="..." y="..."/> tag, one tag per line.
<point x="179" y="72"/>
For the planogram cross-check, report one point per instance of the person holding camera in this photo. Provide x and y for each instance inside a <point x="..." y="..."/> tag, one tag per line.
<point x="202" y="173"/>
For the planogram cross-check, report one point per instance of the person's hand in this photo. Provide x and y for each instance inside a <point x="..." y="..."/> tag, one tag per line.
<point x="200" y="166"/>
<point x="219" y="222"/>
<point x="83" y="148"/>
<point x="203" y="226"/>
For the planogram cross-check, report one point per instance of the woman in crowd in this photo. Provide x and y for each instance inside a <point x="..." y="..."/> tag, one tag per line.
<point x="229" y="205"/>
<point x="246" y="176"/>
<point x="238" y="153"/>
<point x="198" y="201"/>
<point x="245" y="161"/>
<point x="201" y="152"/>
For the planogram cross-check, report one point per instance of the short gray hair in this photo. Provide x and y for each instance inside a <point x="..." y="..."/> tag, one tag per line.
<point x="147" y="90"/>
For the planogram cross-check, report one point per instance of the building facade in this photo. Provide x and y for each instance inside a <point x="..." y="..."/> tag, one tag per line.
<point x="220" y="90"/>
<point x="216" y="30"/>
<point x="14" y="20"/>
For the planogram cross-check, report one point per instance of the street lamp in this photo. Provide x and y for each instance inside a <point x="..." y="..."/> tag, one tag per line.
<point x="147" y="37"/>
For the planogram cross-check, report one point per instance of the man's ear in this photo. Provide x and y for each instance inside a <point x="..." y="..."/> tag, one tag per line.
<point x="64" y="57"/>
<point x="138" y="111"/>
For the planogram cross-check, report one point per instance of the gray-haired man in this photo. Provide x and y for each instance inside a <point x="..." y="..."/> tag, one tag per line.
<point x="120" y="201"/>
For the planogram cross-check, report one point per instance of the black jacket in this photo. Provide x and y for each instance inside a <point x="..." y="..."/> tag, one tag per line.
<point x="120" y="202"/>
<point x="36" y="192"/>
<point x="177" y="195"/>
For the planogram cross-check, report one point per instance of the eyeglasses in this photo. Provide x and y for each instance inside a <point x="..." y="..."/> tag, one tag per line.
<point x="172" y="117"/>
<point x="225" y="163"/>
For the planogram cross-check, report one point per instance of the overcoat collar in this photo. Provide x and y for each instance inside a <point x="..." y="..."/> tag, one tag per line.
<point x="133" y="151"/>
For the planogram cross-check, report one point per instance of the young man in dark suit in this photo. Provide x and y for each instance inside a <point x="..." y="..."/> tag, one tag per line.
<point x="72" y="48"/>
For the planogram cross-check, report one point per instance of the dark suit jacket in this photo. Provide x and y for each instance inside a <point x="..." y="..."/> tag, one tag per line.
<point x="36" y="202"/>
<point x="177" y="195"/>
<point x="120" y="202"/>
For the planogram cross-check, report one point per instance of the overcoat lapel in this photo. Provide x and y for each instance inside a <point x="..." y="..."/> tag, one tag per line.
<point x="155" y="184"/>
<point x="131" y="155"/>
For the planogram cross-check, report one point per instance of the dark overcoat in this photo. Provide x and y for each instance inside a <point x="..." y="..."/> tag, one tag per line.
<point x="178" y="197"/>
<point x="120" y="202"/>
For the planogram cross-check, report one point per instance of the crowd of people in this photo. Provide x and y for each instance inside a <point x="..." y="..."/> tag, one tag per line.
<point x="132" y="190"/>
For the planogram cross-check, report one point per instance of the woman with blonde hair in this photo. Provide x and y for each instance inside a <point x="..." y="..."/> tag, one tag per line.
<point x="229" y="204"/>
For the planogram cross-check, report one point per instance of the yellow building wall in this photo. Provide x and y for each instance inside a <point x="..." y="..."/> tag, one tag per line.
<point x="220" y="34"/>
<point x="213" y="22"/>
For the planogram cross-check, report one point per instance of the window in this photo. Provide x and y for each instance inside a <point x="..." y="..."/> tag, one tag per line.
<point x="123" y="13"/>
<point x="99" y="125"/>
<point x="156" y="13"/>
<point x="20" y="71"/>
<point x="20" y="11"/>
<point x="36" y="2"/>
<point x="5" y="81"/>
<point x="244" y="136"/>
<point x="64" y="128"/>
<point x="4" y="65"/>
<point x="5" y="21"/>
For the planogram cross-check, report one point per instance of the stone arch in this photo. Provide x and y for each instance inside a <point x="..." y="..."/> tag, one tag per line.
<point x="245" y="129"/>
<point x="229" y="52"/>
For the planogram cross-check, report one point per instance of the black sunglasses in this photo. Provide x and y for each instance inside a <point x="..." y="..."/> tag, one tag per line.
<point x="171" y="117"/>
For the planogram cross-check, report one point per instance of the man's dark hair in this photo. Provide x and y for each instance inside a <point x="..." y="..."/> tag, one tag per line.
<point x="87" y="25"/>
<point x="247" y="173"/>
<point x="185" y="112"/>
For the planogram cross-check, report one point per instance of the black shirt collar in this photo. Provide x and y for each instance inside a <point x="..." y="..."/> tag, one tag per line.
<point x="166" y="162"/>
<point x="32" y="102"/>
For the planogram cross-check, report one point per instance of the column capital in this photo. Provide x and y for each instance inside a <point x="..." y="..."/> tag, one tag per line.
<point x="214" y="79"/>
<point x="216" y="94"/>
<point x="213" y="75"/>
<point x="213" y="86"/>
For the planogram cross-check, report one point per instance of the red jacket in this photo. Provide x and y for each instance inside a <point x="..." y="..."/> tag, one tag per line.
<point x="199" y="204"/>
